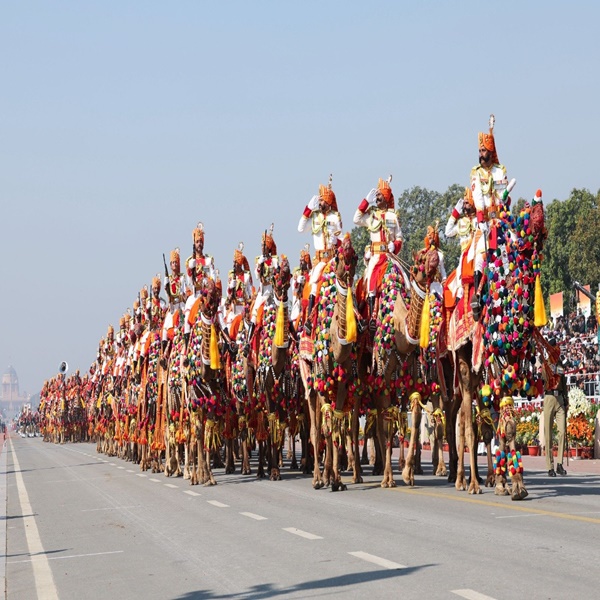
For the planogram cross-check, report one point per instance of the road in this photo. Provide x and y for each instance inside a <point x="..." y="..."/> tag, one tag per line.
<point x="83" y="525"/>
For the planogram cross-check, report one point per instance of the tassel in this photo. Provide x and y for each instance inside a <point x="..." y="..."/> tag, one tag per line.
<point x="424" y="337"/>
<point x="215" y="359"/>
<point x="350" y="318"/>
<point x="539" y="310"/>
<point x="279" y="327"/>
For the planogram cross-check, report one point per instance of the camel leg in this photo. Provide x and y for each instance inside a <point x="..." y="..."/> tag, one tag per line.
<point x="408" y="473"/>
<point x="356" y="462"/>
<point x="315" y="437"/>
<point x="385" y="444"/>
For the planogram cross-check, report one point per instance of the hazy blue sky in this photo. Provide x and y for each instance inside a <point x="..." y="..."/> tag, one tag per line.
<point x="123" y="124"/>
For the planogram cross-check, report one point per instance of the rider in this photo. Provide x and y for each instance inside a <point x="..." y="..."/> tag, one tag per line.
<point x="299" y="277"/>
<point x="199" y="267"/>
<point x="488" y="182"/>
<point x="462" y="223"/>
<point x="266" y="264"/>
<point x="175" y="288"/>
<point x="376" y="213"/>
<point x="326" y="227"/>
<point x="239" y="286"/>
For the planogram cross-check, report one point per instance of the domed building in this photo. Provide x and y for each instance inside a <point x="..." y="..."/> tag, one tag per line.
<point x="11" y="398"/>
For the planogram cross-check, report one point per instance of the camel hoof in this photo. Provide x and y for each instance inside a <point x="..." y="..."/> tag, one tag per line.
<point x="500" y="491"/>
<point x="317" y="485"/>
<point x="358" y="479"/>
<point x="520" y="495"/>
<point x="475" y="490"/>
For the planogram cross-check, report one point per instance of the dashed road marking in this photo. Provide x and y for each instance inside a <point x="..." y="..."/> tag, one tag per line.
<point x="218" y="504"/>
<point x="471" y="595"/>
<point x="130" y="471"/>
<point x="142" y="475"/>
<point x="304" y="534"/>
<point x="382" y="562"/>
<point x="154" y="480"/>
<point x="190" y="493"/>
<point x="171" y="485"/>
<point x="253" y="516"/>
<point x="120" y="467"/>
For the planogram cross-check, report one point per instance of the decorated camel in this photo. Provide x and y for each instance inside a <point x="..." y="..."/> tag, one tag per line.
<point x="493" y="358"/>
<point x="204" y="393"/>
<point x="328" y="376"/>
<point x="395" y="369"/>
<point x="272" y="380"/>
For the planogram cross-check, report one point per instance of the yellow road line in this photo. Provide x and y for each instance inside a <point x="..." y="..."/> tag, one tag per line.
<point x="517" y="507"/>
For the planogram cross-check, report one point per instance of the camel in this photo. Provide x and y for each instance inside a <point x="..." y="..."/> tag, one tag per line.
<point x="394" y="361"/>
<point x="203" y="389"/>
<point x="327" y="380"/>
<point x="506" y="329"/>
<point x="273" y="372"/>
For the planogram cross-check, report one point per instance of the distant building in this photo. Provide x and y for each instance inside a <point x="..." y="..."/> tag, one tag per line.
<point x="11" y="398"/>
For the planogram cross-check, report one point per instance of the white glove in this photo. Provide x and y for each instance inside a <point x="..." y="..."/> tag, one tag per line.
<point x="192" y="263"/>
<point x="166" y="282"/>
<point x="460" y="204"/>
<point x="231" y="285"/>
<point x="483" y="226"/>
<point x="391" y="247"/>
<point x="368" y="255"/>
<point x="313" y="203"/>
<point x="261" y="260"/>
<point x="301" y="280"/>
<point x="372" y="197"/>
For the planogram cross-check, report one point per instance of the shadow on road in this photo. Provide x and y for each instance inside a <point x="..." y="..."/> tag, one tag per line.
<point x="268" y="590"/>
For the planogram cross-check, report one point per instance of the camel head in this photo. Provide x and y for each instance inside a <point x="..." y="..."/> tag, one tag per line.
<point x="425" y="265"/>
<point x="345" y="261"/>
<point x="282" y="278"/>
<point x="210" y="297"/>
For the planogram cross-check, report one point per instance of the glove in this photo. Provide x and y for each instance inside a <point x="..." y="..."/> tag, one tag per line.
<point x="313" y="203"/>
<point x="301" y="280"/>
<point x="368" y="255"/>
<point x="460" y="204"/>
<point x="192" y="263"/>
<point x="372" y="197"/>
<point x="391" y="247"/>
<point x="166" y="283"/>
<point x="261" y="260"/>
<point x="483" y="226"/>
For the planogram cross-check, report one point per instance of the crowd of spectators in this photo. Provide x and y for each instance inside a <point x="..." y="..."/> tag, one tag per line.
<point x="578" y="340"/>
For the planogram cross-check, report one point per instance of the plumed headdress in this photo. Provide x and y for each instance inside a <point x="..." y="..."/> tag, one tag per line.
<point x="386" y="191"/>
<point x="239" y="258"/>
<point x="198" y="233"/>
<point x="268" y="241"/>
<point x="327" y="195"/>
<point x="486" y="140"/>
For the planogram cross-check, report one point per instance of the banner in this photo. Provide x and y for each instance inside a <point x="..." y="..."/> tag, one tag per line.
<point x="583" y="302"/>
<point x="556" y="305"/>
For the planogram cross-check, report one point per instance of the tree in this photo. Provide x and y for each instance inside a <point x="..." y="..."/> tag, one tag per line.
<point x="571" y="234"/>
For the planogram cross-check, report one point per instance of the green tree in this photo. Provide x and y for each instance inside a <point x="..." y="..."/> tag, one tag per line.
<point x="572" y="234"/>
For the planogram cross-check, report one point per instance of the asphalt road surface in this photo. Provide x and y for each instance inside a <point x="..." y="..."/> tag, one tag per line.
<point x="79" y="525"/>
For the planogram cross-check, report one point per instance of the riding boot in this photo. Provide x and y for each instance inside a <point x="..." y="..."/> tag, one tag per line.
<point x="476" y="301"/>
<point x="308" y="324"/>
<point x="372" y="323"/>
<point x="251" y="327"/>
<point x="186" y="337"/>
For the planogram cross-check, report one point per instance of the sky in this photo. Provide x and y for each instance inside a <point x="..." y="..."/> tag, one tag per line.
<point x="124" y="124"/>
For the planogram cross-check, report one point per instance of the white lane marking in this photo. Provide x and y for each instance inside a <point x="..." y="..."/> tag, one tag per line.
<point x="171" y="485"/>
<point x="110" y="508"/>
<point x="253" y="516"/>
<point x="304" y="534"/>
<point x="382" y="562"/>
<point x="155" y="480"/>
<point x="190" y="493"/>
<point x="471" y="595"/>
<point x="42" y="574"/>
<point x="64" y="557"/>
<point x="218" y="504"/>
<point x="112" y="464"/>
<point x="120" y="467"/>
<point x="130" y="471"/>
<point x="142" y="475"/>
